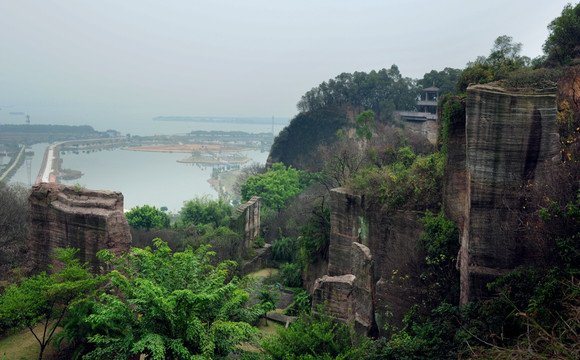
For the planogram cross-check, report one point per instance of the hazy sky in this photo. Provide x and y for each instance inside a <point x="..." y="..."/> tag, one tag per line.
<point x="84" y="61"/>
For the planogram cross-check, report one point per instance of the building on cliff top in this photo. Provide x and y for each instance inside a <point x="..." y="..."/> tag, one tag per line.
<point x="424" y="120"/>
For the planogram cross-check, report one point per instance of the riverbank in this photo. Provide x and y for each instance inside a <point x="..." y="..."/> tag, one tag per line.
<point x="225" y="185"/>
<point x="15" y="164"/>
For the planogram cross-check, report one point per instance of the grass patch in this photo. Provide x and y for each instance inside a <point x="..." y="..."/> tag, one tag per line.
<point x="21" y="345"/>
<point x="264" y="273"/>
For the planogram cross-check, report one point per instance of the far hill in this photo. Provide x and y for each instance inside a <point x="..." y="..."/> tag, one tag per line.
<point x="31" y="134"/>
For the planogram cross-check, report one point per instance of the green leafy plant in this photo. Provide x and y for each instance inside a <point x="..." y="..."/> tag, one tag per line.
<point x="283" y="249"/>
<point x="441" y="244"/>
<point x="275" y="186"/>
<point x="204" y="211"/>
<point x="170" y="305"/>
<point x="316" y="336"/>
<point x="291" y="275"/>
<point x="147" y="217"/>
<point x="46" y="298"/>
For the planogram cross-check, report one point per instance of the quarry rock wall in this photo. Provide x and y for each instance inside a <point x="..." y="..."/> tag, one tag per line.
<point x="498" y="141"/>
<point x="509" y="137"/>
<point x="89" y="220"/>
<point x="373" y="254"/>
<point x="246" y="220"/>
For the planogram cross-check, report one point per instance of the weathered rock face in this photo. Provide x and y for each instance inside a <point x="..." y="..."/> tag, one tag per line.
<point x="427" y="129"/>
<point x="507" y="137"/>
<point x="372" y="255"/>
<point x="246" y="220"/>
<point x="62" y="216"/>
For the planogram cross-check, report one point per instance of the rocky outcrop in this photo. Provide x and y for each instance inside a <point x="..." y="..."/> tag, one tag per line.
<point x="508" y="136"/>
<point x="373" y="253"/>
<point x="350" y="297"/>
<point x="89" y="220"/>
<point x="261" y="259"/>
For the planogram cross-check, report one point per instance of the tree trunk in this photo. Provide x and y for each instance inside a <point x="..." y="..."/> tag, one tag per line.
<point x="42" y="347"/>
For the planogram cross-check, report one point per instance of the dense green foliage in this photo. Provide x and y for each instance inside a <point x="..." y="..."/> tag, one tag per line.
<point x="46" y="298"/>
<point x="297" y="143"/>
<point x="170" y="305"/>
<point x="409" y="182"/>
<point x="561" y="47"/>
<point x="283" y="249"/>
<point x="453" y="112"/>
<point x="365" y="123"/>
<point x="275" y="186"/>
<point x="504" y="58"/>
<point x="441" y="244"/>
<point x="382" y="91"/>
<point x="445" y="80"/>
<point x="315" y="235"/>
<point x="316" y="336"/>
<point x="147" y="217"/>
<point x="204" y="211"/>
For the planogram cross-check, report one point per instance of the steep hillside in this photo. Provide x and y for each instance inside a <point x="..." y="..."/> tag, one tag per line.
<point x="297" y="143"/>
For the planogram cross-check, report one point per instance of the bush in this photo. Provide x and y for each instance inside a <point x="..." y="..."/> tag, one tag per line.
<point x="317" y="336"/>
<point x="315" y="236"/>
<point x="301" y="304"/>
<point x="203" y="211"/>
<point x="283" y="249"/>
<point x="415" y="186"/>
<point x="441" y="244"/>
<point x="147" y="217"/>
<point x="291" y="275"/>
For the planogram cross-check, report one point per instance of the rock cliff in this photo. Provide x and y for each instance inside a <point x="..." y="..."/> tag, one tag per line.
<point x="63" y="216"/>
<point x="498" y="142"/>
<point x="373" y="256"/>
<point x="508" y="137"/>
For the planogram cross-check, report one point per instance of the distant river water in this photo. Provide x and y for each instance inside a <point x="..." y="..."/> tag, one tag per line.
<point x="152" y="178"/>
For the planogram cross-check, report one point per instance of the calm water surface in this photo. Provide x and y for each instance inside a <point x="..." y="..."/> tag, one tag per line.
<point x="151" y="178"/>
<point x="145" y="177"/>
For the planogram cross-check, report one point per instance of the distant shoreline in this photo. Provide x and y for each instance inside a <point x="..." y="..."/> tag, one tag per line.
<point x="209" y="119"/>
<point x="187" y="148"/>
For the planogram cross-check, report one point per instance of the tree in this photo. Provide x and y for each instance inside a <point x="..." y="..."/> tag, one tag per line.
<point x="445" y="80"/>
<point x="276" y="186"/>
<point x="45" y="298"/>
<point x="14" y="223"/>
<point x="365" y="124"/>
<point x="203" y="211"/>
<point x="147" y="217"/>
<point x="268" y="299"/>
<point x="168" y="305"/>
<point x="504" y="58"/>
<point x="564" y="38"/>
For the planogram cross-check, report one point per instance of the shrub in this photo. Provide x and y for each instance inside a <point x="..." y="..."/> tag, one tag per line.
<point x="316" y="336"/>
<point x="291" y="275"/>
<point x="283" y="249"/>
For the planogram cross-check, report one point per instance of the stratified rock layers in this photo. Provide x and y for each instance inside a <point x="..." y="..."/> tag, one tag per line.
<point x="88" y="220"/>
<point x="373" y="258"/>
<point x="500" y="144"/>
<point x="508" y="137"/>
